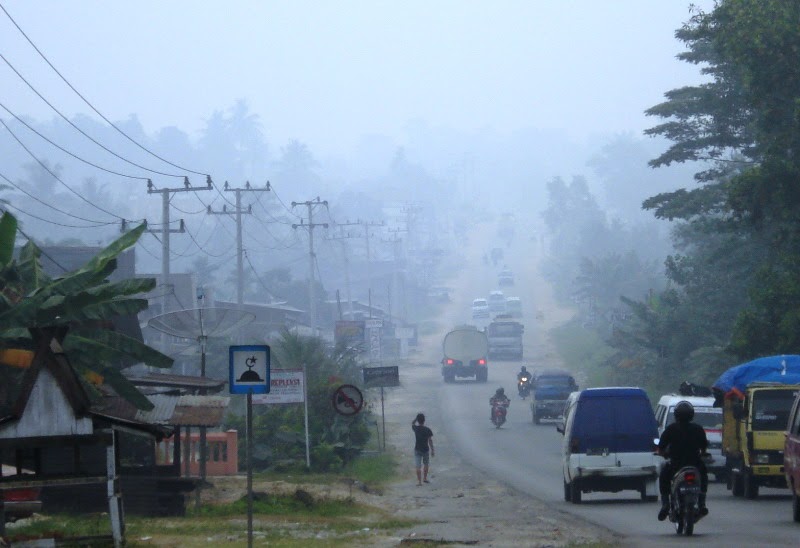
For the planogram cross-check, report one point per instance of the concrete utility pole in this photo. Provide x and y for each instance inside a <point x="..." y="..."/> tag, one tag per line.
<point x="165" y="231"/>
<point x="341" y="238"/>
<point x="311" y="204"/>
<point x="238" y="211"/>
<point x="367" y="225"/>
<point x="399" y="297"/>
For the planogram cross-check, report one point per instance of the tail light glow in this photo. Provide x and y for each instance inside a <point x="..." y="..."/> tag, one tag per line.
<point x="690" y="478"/>
<point x="482" y="361"/>
<point x="450" y="361"/>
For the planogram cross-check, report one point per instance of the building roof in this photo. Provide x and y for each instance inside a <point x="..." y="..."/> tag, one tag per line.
<point x="185" y="382"/>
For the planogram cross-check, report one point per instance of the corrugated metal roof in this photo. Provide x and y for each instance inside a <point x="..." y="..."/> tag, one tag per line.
<point x="198" y="416"/>
<point x="161" y="413"/>
<point x="204" y="401"/>
<point x="176" y="381"/>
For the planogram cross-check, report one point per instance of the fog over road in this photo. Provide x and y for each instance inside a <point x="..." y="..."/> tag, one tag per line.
<point x="527" y="456"/>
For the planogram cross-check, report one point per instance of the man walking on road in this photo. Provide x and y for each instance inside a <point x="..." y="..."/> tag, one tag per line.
<point x="423" y="448"/>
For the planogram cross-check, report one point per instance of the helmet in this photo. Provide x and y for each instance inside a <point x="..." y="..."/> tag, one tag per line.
<point x="684" y="412"/>
<point x="500" y="392"/>
<point x="524" y="369"/>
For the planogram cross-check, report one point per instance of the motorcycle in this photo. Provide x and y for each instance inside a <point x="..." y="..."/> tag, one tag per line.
<point x="524" y="386"/>
<point x="684" y="500"/>
<point x="499" y="412"/>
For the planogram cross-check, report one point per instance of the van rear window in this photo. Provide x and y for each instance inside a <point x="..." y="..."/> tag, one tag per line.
<point x="707" y="417"/>
<point x="618" y="424"/>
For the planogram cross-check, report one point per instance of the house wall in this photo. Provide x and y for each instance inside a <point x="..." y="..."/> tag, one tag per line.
<point x="47" y="413"/>
<point x="223" y="452"/>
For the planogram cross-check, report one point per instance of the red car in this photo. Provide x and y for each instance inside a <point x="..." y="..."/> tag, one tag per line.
<point x="791" y="457"/>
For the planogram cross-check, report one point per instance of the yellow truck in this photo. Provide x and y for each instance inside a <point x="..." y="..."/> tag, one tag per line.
<point x="754" y="422"/>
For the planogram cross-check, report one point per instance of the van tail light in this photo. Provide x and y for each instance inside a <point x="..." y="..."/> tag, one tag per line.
<point x="690" y="478"/>
<point x="450" y="361"/>
<point x="482" y="361"/>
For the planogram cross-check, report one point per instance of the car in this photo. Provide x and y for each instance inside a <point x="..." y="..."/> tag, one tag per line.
<point x="514" y="307"/>
<point x="608" y="443"/>
<point x="480" y="308"/>
<point x="506" y="277"/>
<point x="497" y="302"/>
<point x="707" y="416"/>
<point x="21" y="502"/>
<point x="791" y="457"/>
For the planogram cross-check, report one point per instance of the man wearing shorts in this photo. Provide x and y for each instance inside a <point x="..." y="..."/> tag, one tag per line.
<point x="423" y="448"/>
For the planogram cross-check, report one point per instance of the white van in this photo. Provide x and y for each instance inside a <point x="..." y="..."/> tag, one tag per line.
<point x="608" y="443"/>
<point x="707" y="416"/>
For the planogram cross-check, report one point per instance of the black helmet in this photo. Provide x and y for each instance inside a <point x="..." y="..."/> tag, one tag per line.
<point x="524" y="369"/>
<point x="684" y="412"/>
<point x="500" y="392"/>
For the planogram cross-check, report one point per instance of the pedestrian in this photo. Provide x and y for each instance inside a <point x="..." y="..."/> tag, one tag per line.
<point x="423" y="448"/>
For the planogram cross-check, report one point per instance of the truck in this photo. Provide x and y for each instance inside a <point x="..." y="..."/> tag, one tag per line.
<point x="756" y="398"/>
<point x="504" y="335"/>
<point x="550" y="390"/>
<point x="466" y="351"/>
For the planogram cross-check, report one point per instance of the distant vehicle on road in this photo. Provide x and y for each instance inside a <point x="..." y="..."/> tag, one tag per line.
<point x="497" y="302"/>
<point x="505" y="338"/>
<point x="480" y="308"/>
<point x="506" y="277"/>
<point x="514" y="307"/>
<point x="465" y="354"/>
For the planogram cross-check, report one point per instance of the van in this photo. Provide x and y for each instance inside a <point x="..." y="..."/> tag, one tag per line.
<point x="514" y="307"/>
<point x="791" y="457"/>
<point x="608" y="443"/>
<point x="707" y="416"/>
<point x="480" y="308"/>
<point x="497" y="302"/>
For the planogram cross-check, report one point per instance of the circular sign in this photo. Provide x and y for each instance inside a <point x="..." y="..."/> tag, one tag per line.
<point x="347" y="400"/>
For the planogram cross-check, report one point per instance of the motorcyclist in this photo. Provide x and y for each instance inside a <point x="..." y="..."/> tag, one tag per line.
<point x="683" y="442"/>
<point x="499" y="398"/>
<point x="524" y="373"/>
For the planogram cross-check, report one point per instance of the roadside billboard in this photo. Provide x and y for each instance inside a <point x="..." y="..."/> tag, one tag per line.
<point x="286" y="386"/>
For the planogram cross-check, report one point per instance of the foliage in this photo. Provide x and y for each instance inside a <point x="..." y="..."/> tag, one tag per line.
<point x="85" y="300"/>
<point x="279" y="430"/>
<point x="739" y="231"/>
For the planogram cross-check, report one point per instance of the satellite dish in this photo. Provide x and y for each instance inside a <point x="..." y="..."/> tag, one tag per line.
<point x="195" y="323"/>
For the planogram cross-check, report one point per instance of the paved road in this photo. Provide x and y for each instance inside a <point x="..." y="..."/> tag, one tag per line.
<point x="527" y="456"/>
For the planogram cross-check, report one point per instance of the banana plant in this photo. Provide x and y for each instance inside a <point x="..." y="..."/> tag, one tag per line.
<point x="85" y="301"/>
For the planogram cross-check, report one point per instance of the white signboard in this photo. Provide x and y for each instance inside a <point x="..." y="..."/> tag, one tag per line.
<point x="285" y="386"/>
<point x="373" y="323"/>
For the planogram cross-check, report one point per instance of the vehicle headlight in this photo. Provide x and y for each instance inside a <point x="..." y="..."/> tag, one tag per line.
<point x="761" y="458"/>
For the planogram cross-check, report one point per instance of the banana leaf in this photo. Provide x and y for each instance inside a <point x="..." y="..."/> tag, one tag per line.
<point x="106" y="310"/>
<point x="111" y="346"/>
<point x="8" y="235"/>
<point x="29" y="267"/>
<point x="125" y="388"/>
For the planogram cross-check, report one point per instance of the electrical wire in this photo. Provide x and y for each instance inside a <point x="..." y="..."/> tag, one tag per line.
<point x="53" y="222"/>
<point x="59" y="265"/>
<point x="79" y="130"/>
<point x="260" y="281"/>
<point x="56" y="177"/>
<point x="284" y="205"/>
<point x="68" y="214"/>
<point x="62" y="149"/>
<point x="91" y="105"/>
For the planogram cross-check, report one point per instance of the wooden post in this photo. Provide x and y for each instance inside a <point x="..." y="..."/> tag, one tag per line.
<point x="187" y="458"/>
<point x="114" y="498"/>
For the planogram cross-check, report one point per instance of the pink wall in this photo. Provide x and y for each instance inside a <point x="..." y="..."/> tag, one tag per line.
<point x="223" y="452"/>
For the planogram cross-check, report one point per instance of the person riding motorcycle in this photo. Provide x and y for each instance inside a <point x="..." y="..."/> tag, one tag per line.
<point x="499" y="398"/>
<point x="684" y="442"/>
<point x="524" y="373"/>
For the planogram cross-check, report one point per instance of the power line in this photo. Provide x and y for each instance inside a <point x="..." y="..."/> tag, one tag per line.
<point x="56" y="177"/>
<point x="53" y="222"/>
<point x="12" y="183"/>
<point x="62" y="149"/>
<point x="70" y="122"/>
<point x="109" y="122"/>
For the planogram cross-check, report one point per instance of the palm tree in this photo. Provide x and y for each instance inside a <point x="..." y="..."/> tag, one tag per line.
<point x="84" y="301"/>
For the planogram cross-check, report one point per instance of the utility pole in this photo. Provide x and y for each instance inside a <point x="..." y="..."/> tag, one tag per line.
<point x="238" y="211"/>
<point x="341" y="238"/>
<point x="396" y="242"/>
<point x="367" y="225"/>
<point x="311" y="204"/>
<point x="165" y="231"/>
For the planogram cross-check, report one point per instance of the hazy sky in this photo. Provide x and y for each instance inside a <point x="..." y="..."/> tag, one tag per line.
<point x="328" y="72"/>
